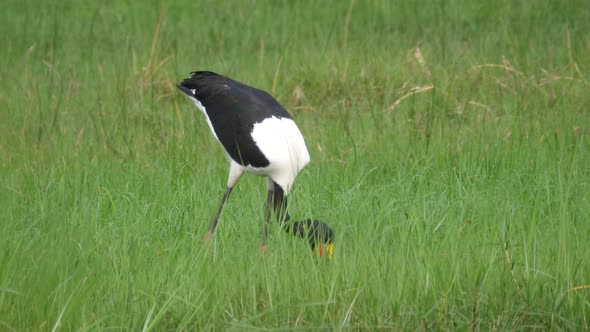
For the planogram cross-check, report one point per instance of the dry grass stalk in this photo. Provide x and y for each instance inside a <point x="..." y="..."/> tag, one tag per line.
<point x="153" y="74"/>
<point x="507" y="67"/>
<point x="573" y="289"/>
<point x="553" y="79"/>
<point x="573" y="63"/>
<point x="509" y="263"/>
<point x="298" y="95"/>
<point x="474" y="312"/>
<point x="420" y="58"/>
<point x="412" y="92"/>
<point x="155" y="39"/>
<point x="347" y="24"/>
<point x="350" y="308"/>
<point x="276" y="77"/>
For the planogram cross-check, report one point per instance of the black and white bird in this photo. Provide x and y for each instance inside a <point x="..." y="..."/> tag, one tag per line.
<point x="259" y="137"/>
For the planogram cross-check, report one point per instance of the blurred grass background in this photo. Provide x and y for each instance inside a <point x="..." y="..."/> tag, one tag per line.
<point x="449" y="152"/>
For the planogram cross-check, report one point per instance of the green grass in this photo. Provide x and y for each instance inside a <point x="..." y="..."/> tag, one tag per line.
<point x="449" y="145"/>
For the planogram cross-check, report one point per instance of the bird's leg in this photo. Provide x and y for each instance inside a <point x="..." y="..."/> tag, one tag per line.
<point x="217" y="214"/>
<point x="269" y="196"/>
<point x="235" y="172"/>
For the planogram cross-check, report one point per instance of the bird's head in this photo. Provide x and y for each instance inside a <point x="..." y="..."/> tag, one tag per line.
<point x="319" y="235"/>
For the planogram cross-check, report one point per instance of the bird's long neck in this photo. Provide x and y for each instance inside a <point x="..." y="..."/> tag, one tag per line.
<point x="314" y="230"/>
<point x="279" y="203"/>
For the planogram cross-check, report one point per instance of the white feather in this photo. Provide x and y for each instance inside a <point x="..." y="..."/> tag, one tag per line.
<point x="282" y="144"/>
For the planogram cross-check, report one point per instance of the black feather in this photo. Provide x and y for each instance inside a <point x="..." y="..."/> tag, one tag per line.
<point x="233" y="109"/>
<point x="314" y="230"/>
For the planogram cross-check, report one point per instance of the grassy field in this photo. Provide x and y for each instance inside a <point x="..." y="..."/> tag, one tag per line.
<point x="449" y="146"/>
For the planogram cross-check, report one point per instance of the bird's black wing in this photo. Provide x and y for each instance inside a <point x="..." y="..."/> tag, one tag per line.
<point x="233" y="108"/>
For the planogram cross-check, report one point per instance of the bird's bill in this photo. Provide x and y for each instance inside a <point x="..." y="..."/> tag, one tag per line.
<point x="326" y="249"/>
<point x="187" y="91"/>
